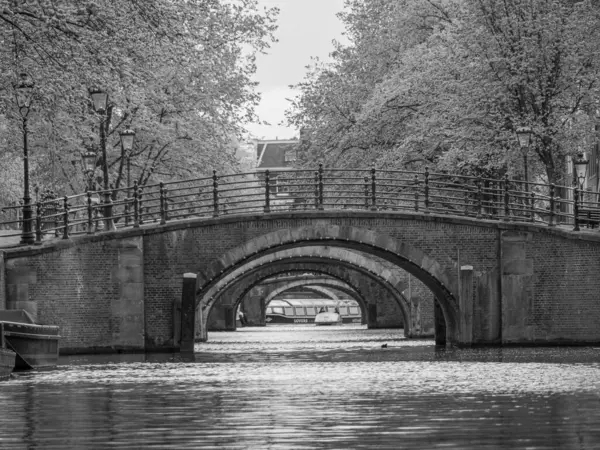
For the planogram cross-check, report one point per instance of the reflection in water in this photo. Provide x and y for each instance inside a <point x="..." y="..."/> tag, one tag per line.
<point x="291" y="387"/>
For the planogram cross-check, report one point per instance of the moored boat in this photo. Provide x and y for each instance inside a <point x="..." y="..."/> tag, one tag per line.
<point x="35" y="345"/>
<point x="7" y="363"/>
<point x="304" y="311"/>
<point x="326" y="317"/>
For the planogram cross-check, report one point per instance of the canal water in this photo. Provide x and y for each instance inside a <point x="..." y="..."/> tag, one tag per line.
<point x="307" y="387"/>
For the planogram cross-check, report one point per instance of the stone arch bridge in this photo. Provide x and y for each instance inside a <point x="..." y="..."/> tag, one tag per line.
<point x="489" y="282"/>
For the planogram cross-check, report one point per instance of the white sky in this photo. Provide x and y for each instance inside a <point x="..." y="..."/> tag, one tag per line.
<point x="306" y="28"/>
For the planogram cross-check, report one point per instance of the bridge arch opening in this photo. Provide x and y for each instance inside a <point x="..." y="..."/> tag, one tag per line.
<point x="307" y="255"/>
<point x="403" y="303"/>
<point x="324" y="288"/>
<point x="302" y="265"/>
<point x="314" y="285"/>
<point x="439" y="277"/>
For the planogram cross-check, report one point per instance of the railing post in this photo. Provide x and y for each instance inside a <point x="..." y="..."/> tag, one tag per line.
<point x="416" y="193"/>
<point x="373" y="190"/>
<point x="426" y="189"/>
<point x="321" y="186"/>
<point x="316" y="189"/>
<point x="479" y="206"/>
<point x="576" y="208"/>
<point x="136" y="206"/>
<point x="267" y="207"/>
<point x="65" y="217"/>
<point x="108" y="211"/>
<point x="532" y="208"/>
<point x="215" y="194"/>
<point x="127" y="207"/>
<point x="506" y="199"/>
<point x="141" y="205"/>
<point x="55" y="205"/>
<point x="366" y="192"/>
<point x="163" y="208"/>
<point x="38" y="223"/>
<point x="90" y="213"/>
<point x="551" y="217"/>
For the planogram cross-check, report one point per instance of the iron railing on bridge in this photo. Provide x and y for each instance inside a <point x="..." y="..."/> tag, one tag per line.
<point x="293" y="190"/>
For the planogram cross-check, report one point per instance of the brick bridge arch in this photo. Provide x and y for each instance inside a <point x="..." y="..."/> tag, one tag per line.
<point x="335" y="279"/>
<point x="309" y="284"/>
<point x="388" y="313"/>
<point x="314" y="284"/>
<point x="226" y="287"/>
<point x="331" y="254"/>
<point x="440" y="279"/>
<point x="324" y="291"/>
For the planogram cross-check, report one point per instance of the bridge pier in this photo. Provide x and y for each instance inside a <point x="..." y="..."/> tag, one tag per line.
<point x="439" y="323"/>
<point x="222" y="317"/>
<point x="188" y="313"/>
<point x="487" y="309"/>
<point x="465" y="307"/>
<point x="253" y="307"/>
<point x="516" y="287"/>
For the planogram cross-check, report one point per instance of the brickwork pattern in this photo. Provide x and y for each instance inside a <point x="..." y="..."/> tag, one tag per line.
<point x="73" y="289"/>
<point x="73" y="284"/>
<point x="334" y="256"/>
<point x="369" y="291"/>
<point x="566" y="284"/>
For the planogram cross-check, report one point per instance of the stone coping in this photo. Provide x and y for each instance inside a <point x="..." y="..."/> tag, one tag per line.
<point x="175" y="225"/>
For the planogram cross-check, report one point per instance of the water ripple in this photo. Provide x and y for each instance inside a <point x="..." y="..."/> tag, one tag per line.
<point x="294" y="388"/>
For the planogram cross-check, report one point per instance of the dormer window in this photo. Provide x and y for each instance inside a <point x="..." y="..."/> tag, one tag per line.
<point x="290" y="155"/>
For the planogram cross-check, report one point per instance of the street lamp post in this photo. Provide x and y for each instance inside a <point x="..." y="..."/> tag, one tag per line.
<point x="100" y="102"/>
<point x="524" y="135"/>
<point x="580" y="171"/>
<point x="127" y="137"/>
<point x="579" y="174"/>
<point x="88" y="160"/>
<point x="23" y="95"/>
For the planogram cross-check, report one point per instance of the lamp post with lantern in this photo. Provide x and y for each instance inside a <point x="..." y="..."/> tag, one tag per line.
<point x="580" y="165"/>
<point x="88" y="160"/>
<point x="524" y="135"/>
<point x="100" y="103"/>
<point x="23" y="95"/>
<point x="127" y="138"/>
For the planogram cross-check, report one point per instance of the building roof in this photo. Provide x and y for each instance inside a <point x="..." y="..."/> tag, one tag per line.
<point x="270" y="154"/>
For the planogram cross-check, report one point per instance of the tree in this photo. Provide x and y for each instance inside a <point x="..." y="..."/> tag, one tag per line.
<point x="541" y="59"/>
<point x="178" y="72"/>
<point x="462" y="76"/>
<point x="333" y="96"/>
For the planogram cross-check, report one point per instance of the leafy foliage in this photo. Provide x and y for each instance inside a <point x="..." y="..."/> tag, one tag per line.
<point x="178" y="72"/>
<point x="445" y="83"/>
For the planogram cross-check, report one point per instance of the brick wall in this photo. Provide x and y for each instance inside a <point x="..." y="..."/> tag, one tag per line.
<point x="91" y="286"/>
<point x="93" y="292"/>
<point x="565" y="289"/>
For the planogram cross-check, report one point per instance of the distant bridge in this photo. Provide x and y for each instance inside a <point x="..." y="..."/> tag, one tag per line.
<point x="492" y="261"/>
